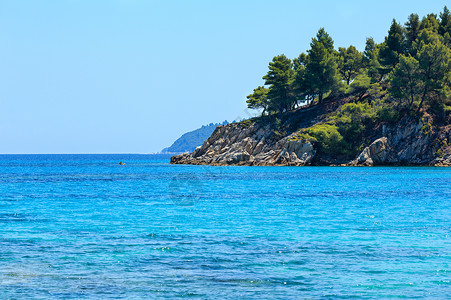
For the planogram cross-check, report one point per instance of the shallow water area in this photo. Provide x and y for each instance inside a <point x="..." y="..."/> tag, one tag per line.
<point x="83" y="226"/>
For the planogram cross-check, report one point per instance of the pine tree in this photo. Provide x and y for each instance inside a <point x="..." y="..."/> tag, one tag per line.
<point x="321" y="68"/>
<point x="412" y="30"/>
<point x="430" y="22"/>
<point x="445" y="22"/>
<point x="425" y="37"/>
<point x="324" y="38"/>
<point x="370" y="60"/>
<point x="405" y="83"/>
<point x="394" y="45"/>
<point x="280" y="79"/>
<point x="300" y="87"/>
<point x="349" y="63"/>
<point x="445" y="26"/>
<point x="258" y="99"/>
<point x="434" y="70"/>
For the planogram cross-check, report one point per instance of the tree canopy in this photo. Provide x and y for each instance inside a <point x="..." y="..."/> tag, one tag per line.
<point x="279" y="79"/>
<point x="410" y="69"/>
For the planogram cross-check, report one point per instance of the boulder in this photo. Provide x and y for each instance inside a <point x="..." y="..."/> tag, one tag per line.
<point x="374" y="154"/>
<point x="296" y="152"/>
<point x="237" y="157"/>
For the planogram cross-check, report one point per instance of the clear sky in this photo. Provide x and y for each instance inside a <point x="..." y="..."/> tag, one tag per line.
<point x="131" y="76"/>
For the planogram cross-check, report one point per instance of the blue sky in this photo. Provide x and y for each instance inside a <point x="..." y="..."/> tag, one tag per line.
<point x="131" y="76"/>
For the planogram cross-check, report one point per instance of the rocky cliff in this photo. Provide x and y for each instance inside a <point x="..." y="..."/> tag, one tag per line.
<point x="259" y="143"/>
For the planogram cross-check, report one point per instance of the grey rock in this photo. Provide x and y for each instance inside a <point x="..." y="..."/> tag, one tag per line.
<point x="374" y="154"/>
<point x="404" y="143"/>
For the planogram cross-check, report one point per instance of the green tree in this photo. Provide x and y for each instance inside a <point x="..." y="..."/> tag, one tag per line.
<point x="349" y="63"/>
<point x="445" y="22"/>
<point x="324" y="38"/>
<point x="434" y="71"/>
<point x="393" y="46"/>
<point x="405" y="83"/>
<point x="258" y="99"/>
<point x="300" y="87"/>
<point x="370" y="59"/>
<point x="425" y="37"/>
<point x="360" y="86"/>
<point x="321" y="67"/>
<point x="280" y="79"/>
<point x="370" y="52"/>
<point x="412" y="30"/>
<point x="430" y="22"/>
<point x="445" y="26"/>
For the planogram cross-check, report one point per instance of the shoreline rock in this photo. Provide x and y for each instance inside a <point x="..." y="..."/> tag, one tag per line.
<point x="259" y="144"/>
<point x="374" y="154"/>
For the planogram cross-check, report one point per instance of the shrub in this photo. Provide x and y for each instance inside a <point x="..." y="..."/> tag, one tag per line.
<point x="247" y="123"/>
<point x="353" y="118"/>
<point x="448" y="111"/>
<point x="427" y="127"/>
<point x="386" y="113"/>
<point x="360" y="86"/>
<point x="326" y="137"/>
<point x="440" y="110"/>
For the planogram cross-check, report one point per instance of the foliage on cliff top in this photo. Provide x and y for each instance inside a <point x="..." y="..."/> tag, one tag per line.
<point x="410" y="71"/>
<point x="408" y="74"/>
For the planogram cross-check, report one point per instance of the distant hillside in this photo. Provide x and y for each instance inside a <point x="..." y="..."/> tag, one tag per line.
<point x="190" y="140"/>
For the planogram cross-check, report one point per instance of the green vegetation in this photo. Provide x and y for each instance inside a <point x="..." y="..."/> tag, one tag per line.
<point x="353" y="119"/>
<point x="259" y="99"/>
<point x="345" y="130"/>
<point x="326" y="136"/>
<point x="408" y="74"/>
<point x="247" y="123"/>
<point x="412" y="65"/>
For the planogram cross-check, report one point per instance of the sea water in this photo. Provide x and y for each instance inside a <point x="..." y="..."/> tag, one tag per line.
<point x="85" y="227"/>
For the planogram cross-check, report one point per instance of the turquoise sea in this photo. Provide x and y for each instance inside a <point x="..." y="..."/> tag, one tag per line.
<point x="83" y="227"/>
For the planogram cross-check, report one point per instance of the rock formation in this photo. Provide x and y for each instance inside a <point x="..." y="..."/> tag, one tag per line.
<point x="259" y="144"/>
<point x="374" y="154"/>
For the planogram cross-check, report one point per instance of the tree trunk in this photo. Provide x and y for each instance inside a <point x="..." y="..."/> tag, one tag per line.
<point x="411" y="101"/>
<point x="422" y="100"/>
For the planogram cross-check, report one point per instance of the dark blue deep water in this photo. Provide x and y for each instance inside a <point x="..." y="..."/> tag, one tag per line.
<point x="81" y="226"/>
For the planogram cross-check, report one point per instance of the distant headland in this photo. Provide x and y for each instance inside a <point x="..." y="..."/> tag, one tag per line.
<point x="190" y="140"/>
<point x="387" y="105"/>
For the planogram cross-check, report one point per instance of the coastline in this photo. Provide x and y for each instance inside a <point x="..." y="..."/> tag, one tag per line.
<point x="257" y="143"/>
